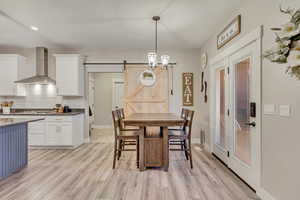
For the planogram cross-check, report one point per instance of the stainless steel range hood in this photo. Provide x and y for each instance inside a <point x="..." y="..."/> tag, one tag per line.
<point x="41" y="62"/>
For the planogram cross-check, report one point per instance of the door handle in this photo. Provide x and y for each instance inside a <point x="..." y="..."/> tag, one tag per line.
<point x="253" y="124"/>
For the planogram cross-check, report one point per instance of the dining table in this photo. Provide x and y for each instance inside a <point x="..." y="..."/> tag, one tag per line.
<point x="154" y="151"/>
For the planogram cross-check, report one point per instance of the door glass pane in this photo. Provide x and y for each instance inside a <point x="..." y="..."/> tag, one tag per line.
<point x="220" y="136"/>
<point x="242" y="111"/>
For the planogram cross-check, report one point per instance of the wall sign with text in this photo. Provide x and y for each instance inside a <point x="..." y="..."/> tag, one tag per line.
<point x="187" y="89"/>
<point x="230" y="32"/>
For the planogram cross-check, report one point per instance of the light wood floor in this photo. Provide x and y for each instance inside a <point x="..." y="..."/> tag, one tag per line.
<point x="86" y="174"/>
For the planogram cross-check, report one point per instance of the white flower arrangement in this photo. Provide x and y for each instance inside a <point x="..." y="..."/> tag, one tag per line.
<point x="287" y="49"/>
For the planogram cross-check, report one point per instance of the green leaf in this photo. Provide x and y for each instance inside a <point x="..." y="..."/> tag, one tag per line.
<point x="296" y="18"/>
<point x="296" y="37"/>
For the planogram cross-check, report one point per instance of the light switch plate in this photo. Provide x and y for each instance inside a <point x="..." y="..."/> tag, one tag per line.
<point x="285" y="110"/>
<point x="269" y="109"/>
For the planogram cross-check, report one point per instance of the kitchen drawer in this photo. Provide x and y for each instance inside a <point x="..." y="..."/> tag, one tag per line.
<point x="59" y="118"/>
<point x="34" y="127"/>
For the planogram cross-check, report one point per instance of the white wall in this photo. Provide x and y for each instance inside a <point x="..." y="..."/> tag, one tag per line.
<point x="103" y="97"/>
<point x="280" y="136"/>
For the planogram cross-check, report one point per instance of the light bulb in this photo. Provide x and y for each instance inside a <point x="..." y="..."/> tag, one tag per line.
<point x="152" y="59"/>
<point x="165" y="60"/>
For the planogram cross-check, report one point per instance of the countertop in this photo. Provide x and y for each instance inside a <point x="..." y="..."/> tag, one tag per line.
<point x="12" y="121"/>
<point x="40" y="112"/>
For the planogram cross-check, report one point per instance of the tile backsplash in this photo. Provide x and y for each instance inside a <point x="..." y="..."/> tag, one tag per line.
<point x="43" y="96"/>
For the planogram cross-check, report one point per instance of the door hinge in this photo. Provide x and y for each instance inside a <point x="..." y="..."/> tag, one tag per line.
<point x="228" y="112"/>
<point x="227" y="70"/>
<point x="228" y="154"/>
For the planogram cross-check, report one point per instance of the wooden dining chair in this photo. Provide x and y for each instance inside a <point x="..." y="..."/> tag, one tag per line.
<point x="121" y="114"/>
<point x="183" y="116"/>
<point x="123" y="138"/>
<point x="183" y="137"/>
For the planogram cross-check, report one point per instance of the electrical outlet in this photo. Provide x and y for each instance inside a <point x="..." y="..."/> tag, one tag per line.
<point x="285" y="110"/>
<point x="269" y="109"/>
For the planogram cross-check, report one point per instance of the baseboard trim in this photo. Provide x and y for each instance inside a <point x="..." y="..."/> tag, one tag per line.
<point x="196" y="141"/>
<point x="86" y="140"/>
<point x="264" y="195"/>
<point x="101" y="126"/>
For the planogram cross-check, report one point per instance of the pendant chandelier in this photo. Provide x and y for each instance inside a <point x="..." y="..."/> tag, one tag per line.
<point x="153" y="56"/>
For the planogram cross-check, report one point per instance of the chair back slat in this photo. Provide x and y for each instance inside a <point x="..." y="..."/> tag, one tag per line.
<point x="183" y="113"/>
<point x="121" y="115"/>
<point x="183" y="116"/>
<point x="189" y="122"/>
<point x="116" y="122"/>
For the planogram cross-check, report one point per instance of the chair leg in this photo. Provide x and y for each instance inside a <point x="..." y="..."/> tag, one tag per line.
<point x="190" y="153"/>
<point x="120" y="149"/>
<point x="185" y="150"/>
<point x="115" y="154"/>
<point x="137" y="153"/>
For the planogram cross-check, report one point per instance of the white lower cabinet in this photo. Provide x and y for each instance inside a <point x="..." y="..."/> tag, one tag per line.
<point x="60" y="131"/>
<point x="59" y="134"/>
<point x="36" y="133"/>
<point x="64" y="130"/>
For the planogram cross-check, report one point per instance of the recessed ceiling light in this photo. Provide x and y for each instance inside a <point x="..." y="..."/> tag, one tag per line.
<point x="34" y="28"/>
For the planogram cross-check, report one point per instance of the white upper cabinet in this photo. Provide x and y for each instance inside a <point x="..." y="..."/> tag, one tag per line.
<point x="69" y="75"/>
<point x="10" y="65"/>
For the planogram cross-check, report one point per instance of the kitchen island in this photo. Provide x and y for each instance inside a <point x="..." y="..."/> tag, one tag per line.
<point x="13" y="144"/>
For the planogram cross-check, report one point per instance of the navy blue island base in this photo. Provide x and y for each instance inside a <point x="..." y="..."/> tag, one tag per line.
<point x="13" y="145"/>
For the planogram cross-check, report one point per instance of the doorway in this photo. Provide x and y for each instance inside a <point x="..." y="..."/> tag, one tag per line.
<point x="105" y="94"/>
<point x="236" y="108"/>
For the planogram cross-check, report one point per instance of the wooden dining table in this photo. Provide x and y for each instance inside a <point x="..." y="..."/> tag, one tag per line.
<point x="152" y="150"/>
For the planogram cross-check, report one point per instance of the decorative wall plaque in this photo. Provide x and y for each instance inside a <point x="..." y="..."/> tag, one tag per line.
<point x="188" y="89"/>
<point x="230" y="32"/>
<point x="204" y="60"/>
<point x="205" y="93"/>
<point x="202" y="81"/>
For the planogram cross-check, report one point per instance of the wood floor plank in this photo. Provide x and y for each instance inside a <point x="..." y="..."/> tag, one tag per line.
<point x="86" y="173"/>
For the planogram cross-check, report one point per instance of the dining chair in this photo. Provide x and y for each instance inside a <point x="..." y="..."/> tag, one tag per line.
<point x="123" y="143"/>
<point x="123" y="138"/>
<point x="184" y="137"/>
<point x="183" y="116"/>
<point x="121" y="114"/>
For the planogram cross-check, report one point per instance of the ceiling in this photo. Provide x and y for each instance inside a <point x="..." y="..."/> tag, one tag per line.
<point x="120" y="24"/>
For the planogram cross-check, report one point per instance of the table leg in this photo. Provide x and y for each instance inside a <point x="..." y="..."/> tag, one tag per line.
<point x="166" y="148"/>
<point x="141" y="143"/>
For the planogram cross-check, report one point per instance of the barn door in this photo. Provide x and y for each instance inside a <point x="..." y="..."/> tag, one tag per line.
<point x="146" y="99"/>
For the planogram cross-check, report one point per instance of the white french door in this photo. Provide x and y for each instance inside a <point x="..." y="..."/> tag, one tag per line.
<point x="221" y="112"/>
<point x="237" y="110"/>
<point x="245" y="108"/>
